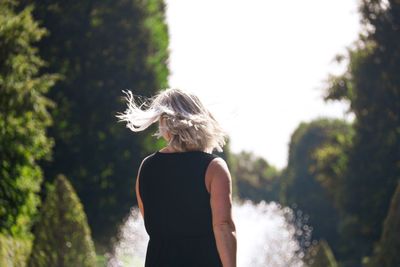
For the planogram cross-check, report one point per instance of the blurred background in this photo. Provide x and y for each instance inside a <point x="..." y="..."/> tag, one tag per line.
<point x="308" y="91"/>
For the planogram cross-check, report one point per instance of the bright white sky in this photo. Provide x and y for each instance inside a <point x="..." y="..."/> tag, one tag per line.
<point x="260" y="65"/>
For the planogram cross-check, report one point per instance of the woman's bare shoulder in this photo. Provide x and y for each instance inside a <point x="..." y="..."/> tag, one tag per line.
<point x="218" y="167"/>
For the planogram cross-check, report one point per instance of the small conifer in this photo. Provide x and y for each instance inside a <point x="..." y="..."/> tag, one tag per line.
<point x="62" y="235"/>
<point x="386" y="253"/>
<point x="321" y="255"/>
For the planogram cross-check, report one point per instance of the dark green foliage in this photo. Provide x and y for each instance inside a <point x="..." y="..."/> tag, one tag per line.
<point x="321" y="255"/>
<point x="256" y="180"/>
<point x="62" y="235"/>
<point x="14" y="251"/>
<point x="303" y="186"/>
<point x="387" y="250"/>
<point x="372" y="86"/>
<point x="102" y="47"/>
<point x="330" y="164"/>
<point x="24" y="118"/>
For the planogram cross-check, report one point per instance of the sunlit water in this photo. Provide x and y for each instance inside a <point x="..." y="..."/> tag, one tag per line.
<point x="268" y="235"/>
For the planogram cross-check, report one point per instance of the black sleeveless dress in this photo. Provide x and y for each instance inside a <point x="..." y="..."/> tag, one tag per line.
<point x="177" y="212"/>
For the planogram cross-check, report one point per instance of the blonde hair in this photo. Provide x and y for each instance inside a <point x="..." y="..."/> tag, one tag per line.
<point x="179" y="113"/>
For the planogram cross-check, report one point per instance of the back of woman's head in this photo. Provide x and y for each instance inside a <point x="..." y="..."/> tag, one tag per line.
<point x="179" y="113"/>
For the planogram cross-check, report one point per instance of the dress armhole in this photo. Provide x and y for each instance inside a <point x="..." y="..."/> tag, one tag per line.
<point x="141" y="167"/>
<point x="137" y="184"/>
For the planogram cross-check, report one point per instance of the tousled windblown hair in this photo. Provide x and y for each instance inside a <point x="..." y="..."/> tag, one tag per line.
<point x="181" y="114"/>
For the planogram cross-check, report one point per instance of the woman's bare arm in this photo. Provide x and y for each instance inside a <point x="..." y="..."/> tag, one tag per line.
<point x="139" y="199"/>
<point x="221" y="205"/>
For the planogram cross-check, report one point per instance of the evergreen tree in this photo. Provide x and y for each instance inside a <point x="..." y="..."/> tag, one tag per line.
<point x="24" y="118"/>
<point x="102" y="48"/>
<point x="371" y="85"/>
<point x="62" y="235"/>
<point x="387" y="250"/>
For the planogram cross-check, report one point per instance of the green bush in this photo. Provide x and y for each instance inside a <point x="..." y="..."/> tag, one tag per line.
<point x="321" y="255"/>
<point x="14" y="251"/>
<point x="386" y="252"/>
<point x="24" y="119"/>
<point x="62" y="235"/>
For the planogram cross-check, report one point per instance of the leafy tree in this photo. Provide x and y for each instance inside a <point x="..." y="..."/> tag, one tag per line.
<point x="330" y="165"/>
<point x="102" y="47"/>
<point x="302" y="185"/>
<point x="24" y="118"/>
<point x="62" y="235"/>
<point x="329" y="170"/>
<point x="371" y="84"/>
<point x="387" y="250"/>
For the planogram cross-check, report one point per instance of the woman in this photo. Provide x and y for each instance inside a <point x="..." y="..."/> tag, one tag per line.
<point x="183" y="190"/>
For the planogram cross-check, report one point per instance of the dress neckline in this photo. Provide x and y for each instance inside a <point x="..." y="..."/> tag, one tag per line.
<point x="183" y="152"/>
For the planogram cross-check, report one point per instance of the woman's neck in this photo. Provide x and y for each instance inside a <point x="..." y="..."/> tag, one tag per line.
<point x="169" y="149"/>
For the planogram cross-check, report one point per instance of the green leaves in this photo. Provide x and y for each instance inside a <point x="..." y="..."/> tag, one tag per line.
<point x="24" y="118"/>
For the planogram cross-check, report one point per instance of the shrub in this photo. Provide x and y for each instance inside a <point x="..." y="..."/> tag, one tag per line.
<point x="62" y="235"/>
<point x="321" y="255"/>
<point x="24" y="118"/>
<point x="386" y="253"/>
